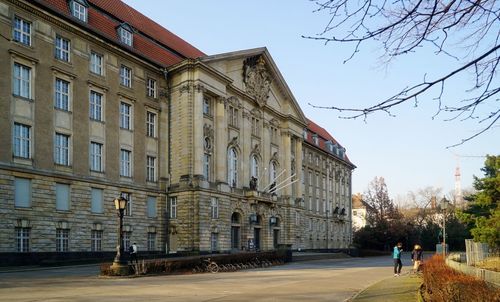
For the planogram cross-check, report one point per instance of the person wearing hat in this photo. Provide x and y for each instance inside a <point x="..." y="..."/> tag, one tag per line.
<point x="417" y="256"/>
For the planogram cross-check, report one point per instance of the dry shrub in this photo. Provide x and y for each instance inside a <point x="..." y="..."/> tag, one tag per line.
<point x="491" y="263"/>
<point x="443" y="284"/>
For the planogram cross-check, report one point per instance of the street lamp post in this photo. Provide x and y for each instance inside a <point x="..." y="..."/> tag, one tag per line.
<point x="444" y="205"/>
<point x="120" y="266"/>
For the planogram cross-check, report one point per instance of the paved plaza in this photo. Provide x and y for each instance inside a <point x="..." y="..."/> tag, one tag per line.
<point x="320" y="280"/>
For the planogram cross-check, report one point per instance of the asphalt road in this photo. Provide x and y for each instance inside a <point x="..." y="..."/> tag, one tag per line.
<point x="320" y="280"/>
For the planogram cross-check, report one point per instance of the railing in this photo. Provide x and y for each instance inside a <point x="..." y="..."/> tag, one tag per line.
<point x="476" y="251"/>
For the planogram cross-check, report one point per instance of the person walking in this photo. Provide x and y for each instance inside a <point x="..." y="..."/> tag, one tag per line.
<point x="396" y="256"/>
<point x="417" y="257"/>
<point x="133" y="252"/>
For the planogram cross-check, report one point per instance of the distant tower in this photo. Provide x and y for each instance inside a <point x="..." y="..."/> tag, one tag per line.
<point x="458" y="186"/>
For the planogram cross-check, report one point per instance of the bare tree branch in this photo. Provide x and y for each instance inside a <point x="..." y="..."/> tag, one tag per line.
<point x="465" y="30"/>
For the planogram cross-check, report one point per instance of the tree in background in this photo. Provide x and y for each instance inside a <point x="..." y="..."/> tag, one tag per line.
<point x="466" y="31"/>
<point x="382" y="207"/>
<point x="483" y="212"/>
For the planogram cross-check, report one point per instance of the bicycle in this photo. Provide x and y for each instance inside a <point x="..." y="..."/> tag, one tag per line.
<point x="211" y="266"/>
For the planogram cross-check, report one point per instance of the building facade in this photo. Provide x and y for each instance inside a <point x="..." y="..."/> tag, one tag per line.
<point x="101" y="102"/>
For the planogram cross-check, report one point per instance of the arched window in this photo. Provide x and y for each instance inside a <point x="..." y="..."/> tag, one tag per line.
<point x="232" y="167"/>
<point x="254" y="166"/>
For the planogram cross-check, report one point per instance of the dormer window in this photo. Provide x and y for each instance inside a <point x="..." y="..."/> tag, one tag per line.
<point x="79" y="9"/>
<point x="304" y="134"/>
<point x="315" y="139"/>
<point x="125" y="34"/>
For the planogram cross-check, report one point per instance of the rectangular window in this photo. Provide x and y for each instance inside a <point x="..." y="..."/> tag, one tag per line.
<point x="214" y="207"/>
<point x="61" y="149"/>
<point x="22" y="192"/>
<point x="79" y="11"/>
<point x="96" y="63"/>
<point x="22" y="31"/>
<point x="22" y="140"/>
<point x="62" y="240"/>
<point x="96" y="153"/>
<point x="151" y="203"/>
<point x="151" y="168"/>
<point x="173" y="207"/>
<point x="62" y="197"/>
<point x="23" y="239"/>
<point x="151" y="88"/>
<point x="61" y="94"/>
<point x="151" y="241"/>
<point x="297" y="218"/>
<point x="95" y="106"/>
<point x="96" y="201"/>
<point x="255" y="126"/>
<point x="125" y="36"/>
<point x="126" y="240"/>
<point x="150" y="124"/>
<point x="125" y="76"/>
<point x="96" y="241"/>
<point x="206" y="105"/>
<point x="128" y="208"/>
<point x="125" y="165"/>
<point x="62" y="49"/>
<point x="206" y="166"/>
<point x="233" y="116"/>
<point x="274" y="134"/>
<point x="125" y="116"/>
<point x="214" y="239"/>
<point x="22" y="81"/>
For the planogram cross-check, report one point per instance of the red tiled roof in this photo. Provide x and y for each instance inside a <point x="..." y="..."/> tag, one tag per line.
<point x="143" y="43"/>
<point x="323" y="137"/>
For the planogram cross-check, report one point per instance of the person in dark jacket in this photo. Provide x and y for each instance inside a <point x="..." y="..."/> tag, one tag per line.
<point x="396" y="256"/>
<point x="417" y="257"/>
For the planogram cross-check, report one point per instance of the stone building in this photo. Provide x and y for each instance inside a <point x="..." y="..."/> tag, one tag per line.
<point x="99" y="101"/>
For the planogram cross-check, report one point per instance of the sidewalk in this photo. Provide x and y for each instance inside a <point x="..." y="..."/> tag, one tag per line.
<point x="401" y="289"/>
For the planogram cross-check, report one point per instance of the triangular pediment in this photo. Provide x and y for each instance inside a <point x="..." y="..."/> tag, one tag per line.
<point x="255" y="72"/>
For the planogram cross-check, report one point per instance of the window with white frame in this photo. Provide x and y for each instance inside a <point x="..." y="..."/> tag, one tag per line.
<point x="96" y="105"/>
<point x="125" y="76"/>
<point x="62" y="240"/>
<point x="150" y="124"/>
<point x="96" y="240"/>
<point x="206" y="105"/>
<point x="96" y="63"/>
<point x="233" y="116"/>
<point x="61" y="94"/>
<point x="22" y="192"/>
<point x="96" y="156"/>
<point x="315" y="139"/>
<point x="125" y="163"/>
<point x="23" y="239"/>
<point x="214" y="207"/>
<point x="62" y="49"/>
<point x="61" y="149"/>
<point x="151" y="206"/>
<point x="151" y="88"/>
<point x="79" y="10"/>
<point x="125" y="116"/>
<point x="151" y="168"/>
<point x="172" y="207"/>
<point x="22" y="140"/>
<point x="22" y="81"/>
<point x="96" y="203"/>
<point x="62" y="197"/>
<point x="273" y="171"/>
<point x="151" y="241"/>
<point x="206" y="166"/>
<point x="128" y="208"/>
<point x="232" y="165"/>
<point x="126" y="36"/>
<point x="22" y="31"/>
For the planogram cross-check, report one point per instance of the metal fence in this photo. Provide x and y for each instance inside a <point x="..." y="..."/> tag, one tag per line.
<point x="476" y="251"/>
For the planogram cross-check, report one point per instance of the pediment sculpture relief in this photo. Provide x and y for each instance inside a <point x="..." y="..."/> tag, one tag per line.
<point x="257" y="79"/>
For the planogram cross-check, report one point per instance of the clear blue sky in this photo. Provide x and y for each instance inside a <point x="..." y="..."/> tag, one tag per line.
<point x="408" y="150"/>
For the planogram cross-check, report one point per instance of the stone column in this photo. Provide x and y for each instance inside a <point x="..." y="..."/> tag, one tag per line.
<point x="298" y="166"/>
<point x="220" y="145"/>
<point x="198" y="130"/>
<point x="287" y="159"/>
